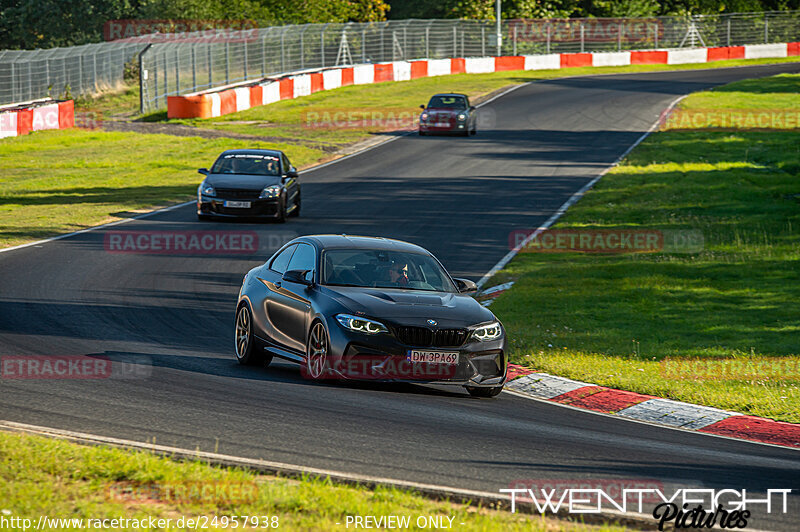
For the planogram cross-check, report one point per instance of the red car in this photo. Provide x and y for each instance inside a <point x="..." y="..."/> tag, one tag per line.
<point x="448" y="113"/>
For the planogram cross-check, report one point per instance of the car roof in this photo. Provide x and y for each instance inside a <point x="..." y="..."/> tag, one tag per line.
<point x="449" y="94"/>
<point x="253" y="151"/>
<point x="362" y="242"/>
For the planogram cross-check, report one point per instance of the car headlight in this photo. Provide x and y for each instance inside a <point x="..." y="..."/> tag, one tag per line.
<point x="462" y="116"/>
<point x="272" y="191"/>
<point x="206" y="190"/>
<point x="424" y="117"/>
<point x="484" y="333"/>
<point x="363" y="325"/>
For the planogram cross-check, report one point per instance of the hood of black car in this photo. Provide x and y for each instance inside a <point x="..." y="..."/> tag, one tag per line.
<point x="412" y="307"/>
<point x="242" y="181"/>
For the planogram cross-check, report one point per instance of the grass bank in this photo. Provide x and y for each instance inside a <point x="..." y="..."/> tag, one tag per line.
<point x="718" y="326"/>
<point x="57" y="479"/>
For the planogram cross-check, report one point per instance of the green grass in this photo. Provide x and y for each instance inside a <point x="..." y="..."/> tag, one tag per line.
<point x="40" y="476"/>
<point x="614" y="319"/>
<point x="54" y="182"/>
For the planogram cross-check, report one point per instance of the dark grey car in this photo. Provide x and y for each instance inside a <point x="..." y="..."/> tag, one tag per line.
<point x="364" y="308"/>
<point x="249" y="183"/>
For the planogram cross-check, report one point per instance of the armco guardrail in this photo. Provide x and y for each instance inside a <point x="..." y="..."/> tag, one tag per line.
<point x="189" y="62"/>
<point x="225" y="100"/>
<point x="21" y="119"/>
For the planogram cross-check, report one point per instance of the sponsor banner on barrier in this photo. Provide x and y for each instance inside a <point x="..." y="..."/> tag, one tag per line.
<point x="182" y="242"/>
<point x="8" y="124"/>
<point x="607" y="240"/>
<point x="181" y="30"/>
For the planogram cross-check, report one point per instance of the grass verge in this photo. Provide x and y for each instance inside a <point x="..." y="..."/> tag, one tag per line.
<point x="58" y="479"/>
<point x="718" y="327"/>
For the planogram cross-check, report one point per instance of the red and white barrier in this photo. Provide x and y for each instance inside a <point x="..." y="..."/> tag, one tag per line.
<point x="37" y="116"/>
<point x="210" y="104"/>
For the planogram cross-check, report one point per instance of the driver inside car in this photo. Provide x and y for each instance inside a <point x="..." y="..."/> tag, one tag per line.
<point x="398" y="274"/>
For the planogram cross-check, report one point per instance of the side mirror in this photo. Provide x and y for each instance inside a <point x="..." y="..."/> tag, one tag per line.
<point x="298" y="276"/>
<point x="465" y="286"/>
<point x="292" y="173"/>
<point x="203" y="171"/>
<point x="422" y="107"/>
<point x="472" y="108"/>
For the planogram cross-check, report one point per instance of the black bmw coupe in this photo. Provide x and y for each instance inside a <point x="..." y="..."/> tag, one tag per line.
<point x="249" y="183"/>
<point x="364" y="308"/>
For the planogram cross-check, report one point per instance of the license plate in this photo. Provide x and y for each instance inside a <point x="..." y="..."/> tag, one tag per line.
<point x="432" y="357"/>
<point x="442" y="124"/>
<point x="237" y="204"/>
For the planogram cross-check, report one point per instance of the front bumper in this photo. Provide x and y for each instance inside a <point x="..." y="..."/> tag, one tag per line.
<point x="383" y="357"/>
<point x="259" y="208"/>
<point x="458" y="127"/>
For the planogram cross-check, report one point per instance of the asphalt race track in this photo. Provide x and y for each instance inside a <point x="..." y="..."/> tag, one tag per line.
<point x="171" y="317"/>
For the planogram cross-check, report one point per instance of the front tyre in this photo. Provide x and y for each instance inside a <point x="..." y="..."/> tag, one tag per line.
<point x="249" y="351"/>
<point x="281" y="218"/>
<point x="296" y="211"/>
<point x="317" y="350"/>
<point x="484" y="392"/>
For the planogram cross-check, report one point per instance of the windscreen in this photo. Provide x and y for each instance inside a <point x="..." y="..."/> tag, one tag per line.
<point x="379" y="268"/>
<point x="247" y="163"/>
<point x="447" y="102"/>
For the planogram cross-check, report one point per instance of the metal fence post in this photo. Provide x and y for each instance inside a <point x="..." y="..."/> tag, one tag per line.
<point x="483" y="41"/>
<point x="283" y="51"/>
<point x="729" y="31"/>
<point x="655" y="35"/>
<point x="364" y="43"/>
<point x="166" y="77"/>
<point x="455" y="42"/>
<point x="210" y="66"/>
<point x="194" y="69"/>
<point x="582" y="47"/>
<point x="515" y="39"/>
<point x="263" y="56"/>
<point x="245" y="59"/>
<point x="766" y="28"/>
<point x="548" y="37"/>
<point x="427" y="41"/>
<point x="227" y="62"/>
<point x="177" y="73"/>
<point x="322" y="46"/>
<point x="619" y="37"/>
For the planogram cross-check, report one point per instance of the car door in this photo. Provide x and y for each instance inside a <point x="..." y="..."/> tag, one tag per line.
<point x="289" y="307"/>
